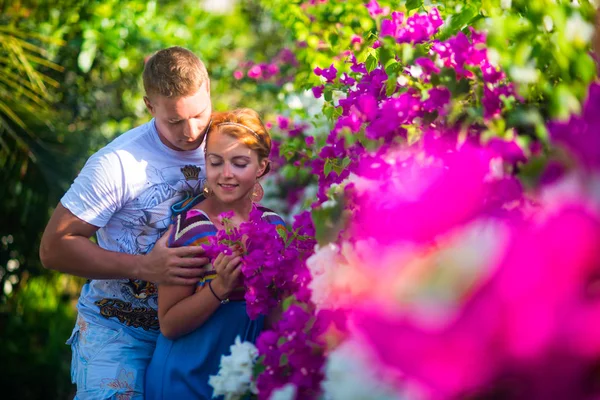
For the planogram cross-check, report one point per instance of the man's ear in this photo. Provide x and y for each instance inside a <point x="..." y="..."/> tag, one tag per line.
<point x="149" y="105"/>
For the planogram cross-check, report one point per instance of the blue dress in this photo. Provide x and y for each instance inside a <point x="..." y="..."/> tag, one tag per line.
<point x="180" y="368"/>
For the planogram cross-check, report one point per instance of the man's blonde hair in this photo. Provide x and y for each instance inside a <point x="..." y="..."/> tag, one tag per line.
<point x="174" y="72"/>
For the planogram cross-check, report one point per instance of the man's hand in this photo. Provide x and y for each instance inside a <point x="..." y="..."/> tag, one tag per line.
<point x="172" y="265"/>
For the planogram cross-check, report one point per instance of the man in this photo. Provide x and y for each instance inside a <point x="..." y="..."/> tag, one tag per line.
<point x="124" y="194"/>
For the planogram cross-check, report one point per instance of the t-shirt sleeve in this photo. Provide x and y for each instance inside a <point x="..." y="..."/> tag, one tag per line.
<point x="98" y="191"/>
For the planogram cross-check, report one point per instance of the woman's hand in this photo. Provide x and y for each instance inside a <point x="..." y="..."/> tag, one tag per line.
<point x="228" y="274"/>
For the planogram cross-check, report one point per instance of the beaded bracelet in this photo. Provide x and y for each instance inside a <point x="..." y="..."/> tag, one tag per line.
<point x="222" y="301"/>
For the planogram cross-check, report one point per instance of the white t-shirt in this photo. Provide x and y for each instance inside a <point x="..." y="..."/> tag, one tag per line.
<point x="127" y="189"/>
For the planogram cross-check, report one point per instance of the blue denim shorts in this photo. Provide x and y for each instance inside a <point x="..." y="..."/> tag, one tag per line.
<point x="108" y="363"/>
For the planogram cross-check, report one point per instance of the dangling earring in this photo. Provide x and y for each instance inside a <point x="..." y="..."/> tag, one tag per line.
<point x="206" y="190"/>
<point x="257" y="192"/>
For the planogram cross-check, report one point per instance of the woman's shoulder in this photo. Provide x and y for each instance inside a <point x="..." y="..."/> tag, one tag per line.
<point x="190" y="227"/>
<point x="271" y="216"/>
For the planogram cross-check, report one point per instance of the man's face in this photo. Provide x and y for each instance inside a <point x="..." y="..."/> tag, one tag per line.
<point x="181" y="121"/>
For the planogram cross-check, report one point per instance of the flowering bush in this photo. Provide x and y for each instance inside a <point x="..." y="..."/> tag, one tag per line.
<point x="271" y="260"/>
<point x="457" y="241"/>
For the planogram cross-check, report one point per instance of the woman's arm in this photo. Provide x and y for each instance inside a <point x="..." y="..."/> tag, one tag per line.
<point x="181" y="309"/>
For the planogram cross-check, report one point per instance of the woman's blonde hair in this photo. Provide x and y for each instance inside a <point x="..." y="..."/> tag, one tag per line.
<point x="245" y="125"/>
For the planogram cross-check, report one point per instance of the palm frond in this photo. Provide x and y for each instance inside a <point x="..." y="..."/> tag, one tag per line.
<point x="11" y="30"/>
<point x="24" y="93"/>
<point x="4" y="108"/>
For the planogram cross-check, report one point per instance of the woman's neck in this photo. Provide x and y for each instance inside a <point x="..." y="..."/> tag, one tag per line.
<point x="241" y="209"/>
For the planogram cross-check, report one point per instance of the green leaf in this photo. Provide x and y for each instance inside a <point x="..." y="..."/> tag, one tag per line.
<point x="385" y="55"/>
<point x="408" y="52"/>
<point x="259" y="367"/>
<point x="371" y="63"/>
<point x="333" y="38"/>
<point x="287" y="302"/>
<point x="564" y="102"/>
<point x="88" y="53"/>
<point x="460" y="20"/>
<point x="392" y="67"/>
<point x="283" y="233"/>
<point x="328" y="167"/>
<point x="328" y="110"/>
<point x="328" y="223"/>
<point x="413" y="4"/>
<point x="391" y="85"/>
<point x="339" y="167"/>
<point x="346" y="161"/>
<point x="283" y="360"/>
<point x="585" y="67"/>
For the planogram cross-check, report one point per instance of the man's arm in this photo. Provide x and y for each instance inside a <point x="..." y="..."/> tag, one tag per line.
<point x="66" y="247"/>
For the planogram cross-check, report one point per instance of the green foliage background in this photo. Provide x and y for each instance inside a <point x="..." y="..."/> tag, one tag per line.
<point x="70" y="82"/>
<point x="97" y="51"/>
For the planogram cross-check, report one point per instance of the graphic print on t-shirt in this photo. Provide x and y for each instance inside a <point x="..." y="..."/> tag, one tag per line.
<point x="143" y="221"/>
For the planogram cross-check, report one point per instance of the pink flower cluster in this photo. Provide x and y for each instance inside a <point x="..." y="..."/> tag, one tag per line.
<point x="289" y="127"/>
<point x="417" y="195"/>
<point x="418" y="28"/>
<point x="581" y="134"/>
<point x="292" y="353"/>
<point x="463" y="54"/>
<point x="277" y="70"/>
<point x="528" y="329"/>
<point x="272" y="263"/>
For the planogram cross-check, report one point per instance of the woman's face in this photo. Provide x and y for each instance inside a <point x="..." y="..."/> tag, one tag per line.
<point x="232" y="168"/>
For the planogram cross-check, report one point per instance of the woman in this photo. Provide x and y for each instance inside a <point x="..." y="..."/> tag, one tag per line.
<point x="200" y="323"/>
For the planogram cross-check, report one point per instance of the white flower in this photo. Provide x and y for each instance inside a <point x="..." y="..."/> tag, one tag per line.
<point x="505" y="4"/>
<point x="294" y="102"/>
<point x="321" y="266"/>
<point x="337" y="95"/>
<point x="572" y="188"/>
<point x="415" y="70"/>
<point x="496" y="169"/>
<point x="493" y="56"/>
<point x="361" y="184"/>
<point x="548" y="23"/>
<point x="329" y="204"/>
<point x="351" y="374"/>
<point x="524" y="74"/>
<point x="219" y="6"/>
<point x="234" y="378"/>
<point x="402" y="80"/>
<point x="578" y="30"/>
<point x="338" y="273"/>
<point x="288" y="87"/>
<point x="286" y="392"/>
